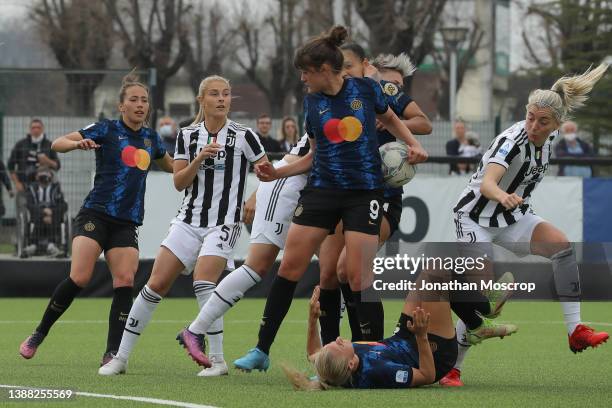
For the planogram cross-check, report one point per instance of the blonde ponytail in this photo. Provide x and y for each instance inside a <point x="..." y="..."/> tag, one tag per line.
<point x="568" y="93"/>
<point x="574" y="90"/>
<point x="300" y="381"/>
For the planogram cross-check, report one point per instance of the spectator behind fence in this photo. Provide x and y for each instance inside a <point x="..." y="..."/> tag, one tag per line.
<point x="29" y="153"/>
<point x="573" y="146"/>
<point x="287" y="134"/>
<point x="264" y="125"/>
<point x="46" y="205"/>
<point x="469" y="149"/>
<point x="4" y="179"/>
<point x="166" y="127"/>
<point x="453" y="148"/>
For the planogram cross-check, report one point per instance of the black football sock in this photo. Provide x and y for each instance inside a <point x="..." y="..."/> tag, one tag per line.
<point x="351" y="311"/>
<point x="277" y="305"/>
<point x="329" y="299"/>
<point x="371" y="314"/>
<point x="61" y="299"/>
<point x="119" y="311"/>
<point x="469" y="305"/>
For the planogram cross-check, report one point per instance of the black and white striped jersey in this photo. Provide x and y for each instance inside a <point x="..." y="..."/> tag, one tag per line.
<point x="525" y="166"/>
<point x="302" y="147"/>
<point x="216" y="195"/>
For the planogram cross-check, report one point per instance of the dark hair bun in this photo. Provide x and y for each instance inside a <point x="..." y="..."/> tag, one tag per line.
<point x="131" y="78"/>
<point x="337" y="35"/>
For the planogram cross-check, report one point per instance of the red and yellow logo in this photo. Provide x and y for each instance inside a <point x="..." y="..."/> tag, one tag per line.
<point x="133" y="157"/>
<point x="347" y="129"/>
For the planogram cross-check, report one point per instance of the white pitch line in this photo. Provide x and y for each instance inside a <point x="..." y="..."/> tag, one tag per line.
<point x="156" y="401"/>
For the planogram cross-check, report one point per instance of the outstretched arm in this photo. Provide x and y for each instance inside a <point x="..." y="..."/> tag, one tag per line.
<point x="266" y="171"/>
<point x="426" y="373"/>
<point x="73" y="141"/>
<point x="313" y="342"/>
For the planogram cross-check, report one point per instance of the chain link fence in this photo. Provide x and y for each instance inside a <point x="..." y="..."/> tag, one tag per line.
<point x="66" y="101"/>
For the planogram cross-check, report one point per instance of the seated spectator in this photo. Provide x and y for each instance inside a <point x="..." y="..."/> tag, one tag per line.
<point x="287" y="133"/>
<point x="166" y="126"/>
<point x="455" y="146"/>
<point x="29" y="153"/>
<point x="264" y="125"/>
<point x="573" y="146"/>
<point x="46" y="205"/>
<point x="4" y="179"/>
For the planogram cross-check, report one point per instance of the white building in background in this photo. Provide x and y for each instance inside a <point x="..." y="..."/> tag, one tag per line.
<point x="482" y="95"/>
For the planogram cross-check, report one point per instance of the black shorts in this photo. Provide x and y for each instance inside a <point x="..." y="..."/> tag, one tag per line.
<point x="359" y="210"/>
<point x="107" y="231"/>
<point x="392" y="207"/>
<point x="444" y="350"/>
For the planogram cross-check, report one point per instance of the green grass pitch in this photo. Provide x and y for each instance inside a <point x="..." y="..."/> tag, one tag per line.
<point x="532" y="368"/>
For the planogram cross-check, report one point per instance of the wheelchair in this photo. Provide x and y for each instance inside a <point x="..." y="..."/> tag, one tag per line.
<point x="25" y="234"/>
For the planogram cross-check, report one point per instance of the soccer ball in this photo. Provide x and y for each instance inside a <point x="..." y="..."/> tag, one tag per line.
<point x="395" y="167"/>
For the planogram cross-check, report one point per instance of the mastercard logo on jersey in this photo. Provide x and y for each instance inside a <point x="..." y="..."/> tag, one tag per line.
<point x="133" y="157"/>
<point x="347" y="129"/>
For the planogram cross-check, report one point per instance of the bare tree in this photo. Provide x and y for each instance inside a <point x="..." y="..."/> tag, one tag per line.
<point x="80" y="35"/>
<point x="569" y="36"/>
<point x="401" y="25"/>
<point x="274" y="75"/>
<point x="212" y="38"/>
<point x="154" y="35"/>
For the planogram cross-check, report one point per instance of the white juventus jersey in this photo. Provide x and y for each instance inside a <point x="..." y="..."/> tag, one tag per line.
<point x="216" y="196"/>
<point x="525" y="166"/>
<point x="302" y="147"/>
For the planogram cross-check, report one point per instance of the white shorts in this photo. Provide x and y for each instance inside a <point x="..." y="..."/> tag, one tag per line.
<point x="189" y="243"/>
<point x="275" y="205"/>
<point x="515" y="238"/>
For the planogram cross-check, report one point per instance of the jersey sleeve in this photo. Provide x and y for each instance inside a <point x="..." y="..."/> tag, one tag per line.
<point x="387" y="374"/>
<point x="396" y="98"/>
<point x="96" y="131"/>
<point x="504" y="151"/>
<point x="160" y="149"/>
<point x="380" y="101"/>
<point x="253" y="149"/>
<point x="181" y="150"/>
<point x="307" y="121"/>
<point x="302" y="147"/>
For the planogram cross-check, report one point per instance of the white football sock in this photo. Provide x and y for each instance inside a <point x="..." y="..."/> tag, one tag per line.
<point x="571" y="315"/>
<point x="228" y="293"/>
<point x="203" y="291"/>
<point x="140" y="314"/>
<point x="463" y="345"/>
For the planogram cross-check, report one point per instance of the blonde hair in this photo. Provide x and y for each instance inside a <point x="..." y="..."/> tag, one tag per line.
<point x="332" y="371"/>
<point x="567" y="94"/>
<point x="400" y="63"/>
<point x="202" y="88"/>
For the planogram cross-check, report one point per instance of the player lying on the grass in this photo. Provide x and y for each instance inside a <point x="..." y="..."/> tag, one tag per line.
<point x="211" y="161"/>
<point x="495" y="207"/>
<point x="112" y="211"/>
<point x="345" y="182"/>
<point x="392" y="70"/>
<point x="275" y="202"/>
<point x="422" y="350"/>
